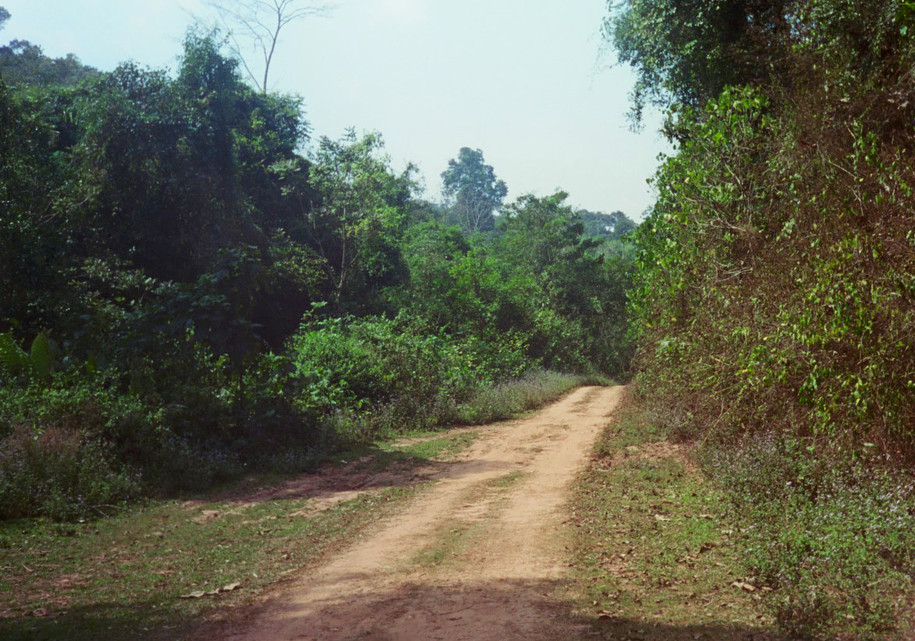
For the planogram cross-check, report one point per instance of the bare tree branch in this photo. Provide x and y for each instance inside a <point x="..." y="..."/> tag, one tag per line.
<point x="256" y="25"/>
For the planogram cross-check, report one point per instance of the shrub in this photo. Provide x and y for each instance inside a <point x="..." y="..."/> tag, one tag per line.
<point x="51" y="466"/>
<point x="835" y="542"/>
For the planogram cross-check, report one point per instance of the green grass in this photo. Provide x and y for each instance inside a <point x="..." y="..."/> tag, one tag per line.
<point x="123" y="577"/>
<point x="124" y="574"/>
<point x="817" y="549"/>
<point x="835" y="541"/>
<point x="448" y="544"/>
<point x="506" y="481"/>
<point x="429" y="445"/>
<point x="413" y="448"/>
<point x="459" y="535"/>
<point x="652" y="544"/>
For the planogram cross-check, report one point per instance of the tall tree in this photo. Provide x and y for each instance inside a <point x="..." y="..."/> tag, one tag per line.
<point x="472" y="190"/>
<point x="258" y="24"/>
<point x="360" y="215"/>
<point x="22" y="62"/>
<point x="615" y="225"/>
<point x="4" y="16"/>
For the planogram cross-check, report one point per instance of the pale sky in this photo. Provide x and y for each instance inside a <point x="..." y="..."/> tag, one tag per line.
<point x="526" y="81"/>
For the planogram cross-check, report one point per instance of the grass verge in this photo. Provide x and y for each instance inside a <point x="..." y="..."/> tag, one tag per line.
<point x="768" y="537"/>
<point x="834" y="540"/>
<point x="655" y="554"/>
<point x="125" y="577"/>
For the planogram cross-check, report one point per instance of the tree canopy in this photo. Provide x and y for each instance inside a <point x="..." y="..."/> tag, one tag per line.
<point x="472" y="190"/>
<point x="685" y="52"/>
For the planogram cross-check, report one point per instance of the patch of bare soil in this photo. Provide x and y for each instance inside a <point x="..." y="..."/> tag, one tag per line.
<point x="657" y="451"/>
<point x="481" y="555"/>
<point x="329" y="486"/>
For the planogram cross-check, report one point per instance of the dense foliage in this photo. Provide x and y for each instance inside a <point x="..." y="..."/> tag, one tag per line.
<point x="774" y="304"/>
<point x="192" y="288"/>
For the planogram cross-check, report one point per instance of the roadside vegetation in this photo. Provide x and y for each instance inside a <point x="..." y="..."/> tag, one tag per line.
<point x="774" y="304"/>
<point x="156" y="571"/>
<point x="195" y="287"/>
<point x="657" y="553"/>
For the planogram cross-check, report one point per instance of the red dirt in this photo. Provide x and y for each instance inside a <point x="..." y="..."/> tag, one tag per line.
<point x="479" y="555"/>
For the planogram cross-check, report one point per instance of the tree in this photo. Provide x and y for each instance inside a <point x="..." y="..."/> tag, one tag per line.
<point x="472" y="190"/>
<point x="615" y="225"/>
<point x="686" y="51"/>
<point x="360" y="215"/>
<point x="22" y="62"/>
<point x="259" y="24"/>
<point x="4" y="16"/>
<point x="580" y="295"/>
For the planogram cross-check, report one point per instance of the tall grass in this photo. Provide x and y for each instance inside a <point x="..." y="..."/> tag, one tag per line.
<point x="535" y="389"/>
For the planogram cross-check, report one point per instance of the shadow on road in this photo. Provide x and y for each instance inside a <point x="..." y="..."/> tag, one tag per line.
<point x="497" y="610"/>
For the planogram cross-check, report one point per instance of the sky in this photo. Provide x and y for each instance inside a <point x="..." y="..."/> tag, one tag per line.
<point x="528" y="82"/>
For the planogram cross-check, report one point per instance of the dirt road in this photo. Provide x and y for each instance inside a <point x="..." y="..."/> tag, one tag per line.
<point x="479" y="556"/>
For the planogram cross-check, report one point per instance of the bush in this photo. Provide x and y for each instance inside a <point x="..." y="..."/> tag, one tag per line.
<point x="54" y="460"/>
<point x="392" y="375"/>
<point x="835" y="542"/>
<point x="502" y="401"/>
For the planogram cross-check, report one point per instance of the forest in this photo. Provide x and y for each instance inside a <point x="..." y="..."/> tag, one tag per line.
<point x="195" y="286"/>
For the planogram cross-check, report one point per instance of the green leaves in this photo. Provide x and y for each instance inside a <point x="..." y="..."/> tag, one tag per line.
<point x="685" y="52"/>
<point x="12" y="357"/>
<point x="356" y="225"/>
<point x="38" y="362"/>
<point x="472" y="191"/>
<point x="41" y="356"/>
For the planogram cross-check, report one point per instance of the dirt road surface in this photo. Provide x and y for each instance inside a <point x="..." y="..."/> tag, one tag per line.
<point x="480" y="555"/>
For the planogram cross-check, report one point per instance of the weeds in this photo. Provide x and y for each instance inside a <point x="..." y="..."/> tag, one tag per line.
<point x="653" y="542"/>
<point x="834" y="542"/>
<point x="503" y="401"/>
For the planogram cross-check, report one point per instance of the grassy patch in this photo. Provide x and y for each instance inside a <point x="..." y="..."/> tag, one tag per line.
<point x="448" y="544"/>
<point x="767" y="531"/>
<point x="835" y="542"/>
<point x="431" y="446"/>
<point x="461" y="534"/>
<point x="506" y="481"/>
<point x="123" y="577"/>
<point x="534" y="390"/>
<point x="414" y="448"/>
<point x="653" y="544"/>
